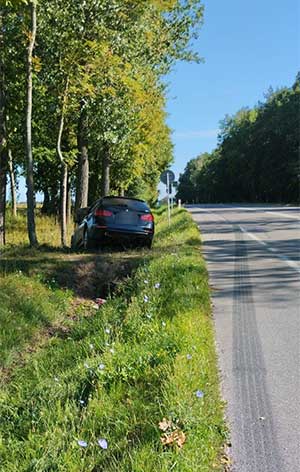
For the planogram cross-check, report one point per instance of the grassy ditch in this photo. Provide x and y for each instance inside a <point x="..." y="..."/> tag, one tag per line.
<point x="26" y="307"/>
<point x="137" y="373"/>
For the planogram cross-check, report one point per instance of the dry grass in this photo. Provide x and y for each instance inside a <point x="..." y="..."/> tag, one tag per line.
<point x="47" y="228"/>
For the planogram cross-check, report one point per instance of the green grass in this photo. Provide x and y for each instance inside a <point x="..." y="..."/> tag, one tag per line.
<point x="142" y="336"/>
<point x="26" y="306"/>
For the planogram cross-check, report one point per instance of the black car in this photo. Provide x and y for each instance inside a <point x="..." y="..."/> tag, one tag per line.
<point x="120" y="219"/>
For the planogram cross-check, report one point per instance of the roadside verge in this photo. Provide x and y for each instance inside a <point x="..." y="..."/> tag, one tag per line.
<point x="132" y="387"/>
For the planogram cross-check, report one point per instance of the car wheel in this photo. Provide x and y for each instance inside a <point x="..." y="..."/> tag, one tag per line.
<point x="148" y="243"/>
<point x="88" y="243"/>
<point x="73" y="245"/>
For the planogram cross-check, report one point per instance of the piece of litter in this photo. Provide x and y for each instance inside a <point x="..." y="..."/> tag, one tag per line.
<point x="262" y="418"/>
<point x="189" y="357"/>
<point x="102" y="443"/>
<point x="100" y="301"/>
<point x="146" y="282"/>
<point x="199" y="394"/>
<point x="81" y="402"/>
<point x="112" y="351"/>
<point x="101" y="366"/>
<point x="148" y="316"/>
<point x="82" y="443"/>
<point x="95" y="306"/>
<point x="56" y="379"/>
<point x="163" y="324"/>
<point x="157" y="285"/>
<point x="91" y="346"/>
<point x="107" y="330"/>
<point x="146" y="298"/>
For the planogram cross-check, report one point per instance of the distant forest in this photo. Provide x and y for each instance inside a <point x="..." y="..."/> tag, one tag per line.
<point x="257" y="157"/>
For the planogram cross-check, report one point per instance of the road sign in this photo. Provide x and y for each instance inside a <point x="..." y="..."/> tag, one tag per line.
<point x="167" y="177"/>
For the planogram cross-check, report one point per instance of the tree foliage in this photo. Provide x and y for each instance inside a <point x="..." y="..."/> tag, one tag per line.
<point x="257" y="158"/>
<point x="98" y="106"/>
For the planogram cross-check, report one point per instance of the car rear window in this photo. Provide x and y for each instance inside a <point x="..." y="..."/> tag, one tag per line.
<point x="126" y="203"/>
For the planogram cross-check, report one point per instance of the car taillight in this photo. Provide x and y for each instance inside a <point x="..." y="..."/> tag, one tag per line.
<point x="103" y="213"/>
<point x="147" y="217"/>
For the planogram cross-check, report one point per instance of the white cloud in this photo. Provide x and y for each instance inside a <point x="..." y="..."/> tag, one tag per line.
<point x="202" y="133"/>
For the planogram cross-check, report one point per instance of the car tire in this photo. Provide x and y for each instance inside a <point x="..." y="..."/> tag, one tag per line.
<point x="148" y="243"/>
<point x="88" y="244"/>
<point x="73" y="245"/>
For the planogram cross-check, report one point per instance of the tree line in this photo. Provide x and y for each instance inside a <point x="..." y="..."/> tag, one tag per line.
<point x="82" y="101"/>
<point x="257" y="158"/>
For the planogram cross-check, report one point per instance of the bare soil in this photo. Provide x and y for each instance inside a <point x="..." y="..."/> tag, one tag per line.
<point x="88" y="275"/>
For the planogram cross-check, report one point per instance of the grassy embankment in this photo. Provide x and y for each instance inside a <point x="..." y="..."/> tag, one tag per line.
<point x="112" y="373"/>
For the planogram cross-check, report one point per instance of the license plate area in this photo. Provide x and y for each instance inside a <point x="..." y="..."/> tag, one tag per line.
<point x="126" y="218"/>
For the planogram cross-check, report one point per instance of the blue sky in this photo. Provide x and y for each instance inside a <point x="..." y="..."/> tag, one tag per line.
<point x="247" y="46"/>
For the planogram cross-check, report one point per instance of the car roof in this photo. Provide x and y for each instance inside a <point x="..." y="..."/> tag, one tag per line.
<point x="124" y="198"/>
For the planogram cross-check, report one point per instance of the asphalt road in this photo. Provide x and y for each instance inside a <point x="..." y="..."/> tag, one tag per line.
<point x="253" y="258"/>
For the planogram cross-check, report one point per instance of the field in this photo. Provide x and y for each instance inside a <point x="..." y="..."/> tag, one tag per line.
<point x="131" y="385"/>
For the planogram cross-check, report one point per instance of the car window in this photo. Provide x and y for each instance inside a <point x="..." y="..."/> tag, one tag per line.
<point x="136" y="205"/>
<point x="94" y="206"/>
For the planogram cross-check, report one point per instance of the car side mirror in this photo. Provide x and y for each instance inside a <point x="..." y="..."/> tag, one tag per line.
<point x="81" y="214"/>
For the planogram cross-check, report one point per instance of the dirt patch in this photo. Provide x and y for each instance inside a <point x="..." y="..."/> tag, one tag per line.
<point x="88" y="275"/>
<point x="99" y="277"/>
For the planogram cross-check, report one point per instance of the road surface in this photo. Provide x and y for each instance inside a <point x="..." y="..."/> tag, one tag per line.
<point x="253" y="259"/>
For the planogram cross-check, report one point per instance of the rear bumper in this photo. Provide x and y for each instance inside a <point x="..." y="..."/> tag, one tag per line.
<point x="100" y="233"/>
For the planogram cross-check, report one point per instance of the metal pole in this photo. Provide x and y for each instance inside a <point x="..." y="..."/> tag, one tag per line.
<point x="168" y="189"/>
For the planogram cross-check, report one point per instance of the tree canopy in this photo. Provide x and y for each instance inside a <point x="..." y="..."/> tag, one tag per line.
<point x="98" y="105"/>
<point x="257" y="158"/>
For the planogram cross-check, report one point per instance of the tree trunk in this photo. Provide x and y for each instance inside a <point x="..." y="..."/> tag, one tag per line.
<point x="46" y="203"/>
<point x="29" y="179"/>
<point x="2" y="203"/>
<point x="12" y="184"/>
<point x="54" y="201"/>
<point x="69" y="203"/>
<point x="106" y="172"/>
<point x="64" y="180"/>
<point x="3" y="142"/>
<point x="83" y="164"/>
<point x="63" y="205"/>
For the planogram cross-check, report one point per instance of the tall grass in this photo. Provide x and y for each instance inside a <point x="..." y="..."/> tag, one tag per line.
<point x="26" y="306"/>
<point x="47" y="228"/>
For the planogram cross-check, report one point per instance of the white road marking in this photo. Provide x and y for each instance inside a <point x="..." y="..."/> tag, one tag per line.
<point x="285" y="259"/>
<point x="274" y="213"/>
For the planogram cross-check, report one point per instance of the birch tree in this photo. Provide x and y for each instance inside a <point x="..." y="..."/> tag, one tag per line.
<point x="29" y="177"/>
<point x="3" y="137"/>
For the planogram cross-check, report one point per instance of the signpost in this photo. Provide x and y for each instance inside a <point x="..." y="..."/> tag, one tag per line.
<point x="167" y="178"/>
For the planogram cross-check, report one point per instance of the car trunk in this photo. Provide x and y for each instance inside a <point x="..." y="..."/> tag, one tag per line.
<point x="126" y="217"/>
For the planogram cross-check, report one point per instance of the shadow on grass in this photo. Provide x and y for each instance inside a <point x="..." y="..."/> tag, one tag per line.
<point x="88" y="275"/>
